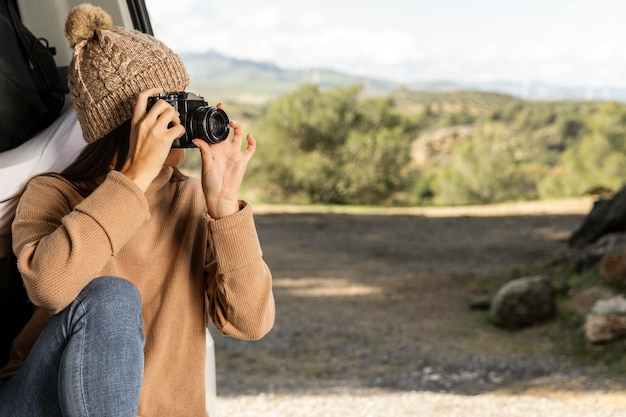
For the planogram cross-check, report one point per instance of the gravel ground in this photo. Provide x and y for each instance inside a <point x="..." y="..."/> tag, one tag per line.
<point x="411" y="404"/>
<point x="373" y="319"/>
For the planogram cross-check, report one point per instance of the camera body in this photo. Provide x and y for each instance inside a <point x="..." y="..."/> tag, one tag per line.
<point x="199" y="119"/>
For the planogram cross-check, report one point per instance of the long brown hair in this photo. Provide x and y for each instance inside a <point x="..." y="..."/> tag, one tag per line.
<point x="96" y="160"/>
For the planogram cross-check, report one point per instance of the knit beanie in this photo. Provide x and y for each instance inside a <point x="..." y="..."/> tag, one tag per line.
<point x="111" y="66"/>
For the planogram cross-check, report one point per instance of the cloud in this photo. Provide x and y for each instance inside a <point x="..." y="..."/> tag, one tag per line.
<point x="545" y="43"/>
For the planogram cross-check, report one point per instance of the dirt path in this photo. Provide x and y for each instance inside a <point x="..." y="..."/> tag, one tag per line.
<point x="381" y="302"/>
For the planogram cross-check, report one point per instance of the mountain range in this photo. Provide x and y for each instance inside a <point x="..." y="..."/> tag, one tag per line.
<point x="246" y="80"/>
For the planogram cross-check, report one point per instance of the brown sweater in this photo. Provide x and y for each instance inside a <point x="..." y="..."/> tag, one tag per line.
<point x="166" y="244"/>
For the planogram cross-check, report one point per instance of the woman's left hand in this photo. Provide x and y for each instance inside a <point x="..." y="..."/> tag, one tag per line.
<point x="223" y="167"/>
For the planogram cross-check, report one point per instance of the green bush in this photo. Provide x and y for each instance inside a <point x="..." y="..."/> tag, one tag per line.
<point x="598" y="160"/>
<point x="333" y="147"/>
<point x="490" y="166"/>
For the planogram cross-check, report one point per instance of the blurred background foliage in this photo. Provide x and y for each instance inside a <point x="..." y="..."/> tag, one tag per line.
<point x="341" y="146"/>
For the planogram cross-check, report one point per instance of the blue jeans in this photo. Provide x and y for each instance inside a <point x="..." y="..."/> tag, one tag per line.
<point x="88" y="361"/>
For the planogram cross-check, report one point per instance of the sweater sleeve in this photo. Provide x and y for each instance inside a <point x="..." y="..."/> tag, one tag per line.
<point x="61" y="247"/>
<point x="239" y="287"/>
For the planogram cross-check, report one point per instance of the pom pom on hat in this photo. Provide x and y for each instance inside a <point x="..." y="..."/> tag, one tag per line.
<point x="111" y="66"/>
<point x="84" y="21"/>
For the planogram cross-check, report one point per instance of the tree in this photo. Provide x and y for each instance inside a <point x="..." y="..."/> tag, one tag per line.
<point x="333" y="147"/>
<point x="487" y="167"/>
<point x="598" y="160"/>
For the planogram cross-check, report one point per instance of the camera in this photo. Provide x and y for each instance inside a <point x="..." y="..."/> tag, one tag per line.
<point x="199" y="119"/>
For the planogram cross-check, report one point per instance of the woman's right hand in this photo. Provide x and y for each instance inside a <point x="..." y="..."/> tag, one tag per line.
<point x="151" y="136"/>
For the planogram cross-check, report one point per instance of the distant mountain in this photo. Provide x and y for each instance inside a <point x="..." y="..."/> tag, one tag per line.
<point x="227" y="78"/>
<point x="213" y="73"/>
<point x="544" y="91"/>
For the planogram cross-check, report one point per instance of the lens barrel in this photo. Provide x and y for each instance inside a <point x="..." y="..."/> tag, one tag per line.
<point x="209" y="124"/>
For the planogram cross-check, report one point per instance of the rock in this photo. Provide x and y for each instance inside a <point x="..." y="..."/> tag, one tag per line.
<point x="610" y="306"/>
<point x="605" y="217"/>
<point x="613" y="268"/>
<point x="606" y="321"/>
<point x="523" y="302"/>
<point x="480" y="302"/>
<point x="583" y="300"/>
<point x="603" y="329"/>
<point x="589" y="255"/>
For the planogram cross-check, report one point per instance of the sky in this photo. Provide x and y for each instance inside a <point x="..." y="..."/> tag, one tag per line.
<point x="567" y="43"/>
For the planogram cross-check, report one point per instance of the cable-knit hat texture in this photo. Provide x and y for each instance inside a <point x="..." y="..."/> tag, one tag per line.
<point x="110" y="66"/>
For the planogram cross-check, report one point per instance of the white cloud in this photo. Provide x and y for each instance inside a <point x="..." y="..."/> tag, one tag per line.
<point x="266" y="19"/>
<point x="564" y="42"/>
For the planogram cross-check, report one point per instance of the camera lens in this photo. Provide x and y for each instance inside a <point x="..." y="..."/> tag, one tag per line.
<point x="209" y="124"/>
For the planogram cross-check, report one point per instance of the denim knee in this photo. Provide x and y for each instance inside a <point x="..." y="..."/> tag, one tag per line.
<point x="112" y="300"/>
<point x="103" y="360"/>
<point x="89" y="354"/>
<point x="107" y="288"/>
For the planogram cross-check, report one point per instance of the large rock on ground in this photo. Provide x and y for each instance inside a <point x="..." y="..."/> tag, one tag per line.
<point x="606" y="321"/>
<point x="523" y="302"/>
<point x="613" y="267"/>
<point x="607" y="216"/>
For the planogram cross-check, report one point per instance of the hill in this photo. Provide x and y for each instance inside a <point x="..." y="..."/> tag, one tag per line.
<point x="256" y="82"/>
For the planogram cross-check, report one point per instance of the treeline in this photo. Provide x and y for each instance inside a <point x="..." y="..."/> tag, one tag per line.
<point x="431" y="148"/>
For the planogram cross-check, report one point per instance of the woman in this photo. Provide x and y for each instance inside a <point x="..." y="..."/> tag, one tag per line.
<point x="123" y="256"/>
